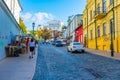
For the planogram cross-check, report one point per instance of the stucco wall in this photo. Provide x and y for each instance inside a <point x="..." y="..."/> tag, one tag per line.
<point x="7" y="25"/>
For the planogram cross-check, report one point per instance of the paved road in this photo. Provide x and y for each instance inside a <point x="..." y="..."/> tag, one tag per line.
<point x="55" y="63"/>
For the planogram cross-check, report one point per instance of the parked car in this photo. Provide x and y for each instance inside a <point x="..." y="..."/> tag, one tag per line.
<point x="64" y="42"/>
<point x="75" y="46"/>
<point x="52" y="42"/>
<point x="58" y="43"/>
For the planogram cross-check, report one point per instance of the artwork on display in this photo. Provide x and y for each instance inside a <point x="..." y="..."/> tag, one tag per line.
<point x="1" y="43"/>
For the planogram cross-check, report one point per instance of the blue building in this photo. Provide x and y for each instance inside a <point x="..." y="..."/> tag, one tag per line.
<point x="9" y="27"/>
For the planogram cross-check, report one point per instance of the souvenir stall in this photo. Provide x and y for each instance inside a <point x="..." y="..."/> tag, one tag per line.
<point x="16" y="46"/>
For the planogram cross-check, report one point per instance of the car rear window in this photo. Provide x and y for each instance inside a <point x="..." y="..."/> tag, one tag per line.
<point x="76" y="44"/>
<point x="58" y="41"/>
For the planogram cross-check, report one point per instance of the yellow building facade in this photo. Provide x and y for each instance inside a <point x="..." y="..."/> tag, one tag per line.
<point x="101" y="24"/>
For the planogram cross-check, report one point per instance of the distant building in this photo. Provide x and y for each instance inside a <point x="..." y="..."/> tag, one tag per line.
<point x="39" y="27"/>
<point x="55" y="25"/>
<point x="73" y="24"/>
<point x="79" y="33"/>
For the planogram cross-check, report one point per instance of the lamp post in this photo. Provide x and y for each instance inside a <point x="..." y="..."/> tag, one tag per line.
<point x="33" y="25"/>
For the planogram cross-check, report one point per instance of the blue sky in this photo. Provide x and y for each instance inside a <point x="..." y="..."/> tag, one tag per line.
<point x="41" y="11"/>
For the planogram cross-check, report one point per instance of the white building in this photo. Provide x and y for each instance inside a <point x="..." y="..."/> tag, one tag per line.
<point x="15" y="8"/>
<point x="9" y="27"/>
<point x="55" y="25"/>
<point x="72" y="25"/>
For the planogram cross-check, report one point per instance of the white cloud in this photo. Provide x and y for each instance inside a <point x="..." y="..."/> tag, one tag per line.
<point x="40" y="18"/>
<point x="26" y="16"/>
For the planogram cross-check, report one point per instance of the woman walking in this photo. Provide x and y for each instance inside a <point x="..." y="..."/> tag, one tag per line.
<point x="32" y="48"/>
<point x="27" y="45"/>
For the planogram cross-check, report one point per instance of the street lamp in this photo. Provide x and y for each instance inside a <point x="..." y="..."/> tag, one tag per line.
<point x="33" y="25"/>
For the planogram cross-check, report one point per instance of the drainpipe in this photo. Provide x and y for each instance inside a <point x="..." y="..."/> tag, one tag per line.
<point x="87" y="27"/>
<point x="112" y="46"/>
<point x="95" y="28"/>
<point x="114" y="17"/>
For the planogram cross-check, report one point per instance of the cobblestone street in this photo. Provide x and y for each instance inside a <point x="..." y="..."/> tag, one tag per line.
<point x="55" y="63"/>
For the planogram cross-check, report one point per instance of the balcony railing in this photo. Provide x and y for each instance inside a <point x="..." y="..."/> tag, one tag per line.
<point x="99" y="13"/>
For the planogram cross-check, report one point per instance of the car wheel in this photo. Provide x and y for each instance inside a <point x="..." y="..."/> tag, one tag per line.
<point x="83" y="51"/>
<point x="72" y="51"/>
<point x="68" y="50"/>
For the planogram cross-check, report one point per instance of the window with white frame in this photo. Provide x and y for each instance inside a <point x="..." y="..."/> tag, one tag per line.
<point x="104" y="28"/>
<point x="104" y="6"/>
<point x="111" y="26"/>
<point x="98" y="8"/>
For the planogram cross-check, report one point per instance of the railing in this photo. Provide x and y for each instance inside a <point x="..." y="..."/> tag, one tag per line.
<point x="100" y="12"/>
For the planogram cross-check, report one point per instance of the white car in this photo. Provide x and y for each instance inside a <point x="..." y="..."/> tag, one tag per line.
<point x="75" y="46"/>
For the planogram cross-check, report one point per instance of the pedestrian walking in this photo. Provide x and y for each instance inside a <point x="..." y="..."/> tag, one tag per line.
<point x="27" y="45"/>
<point x="32" y="48"/>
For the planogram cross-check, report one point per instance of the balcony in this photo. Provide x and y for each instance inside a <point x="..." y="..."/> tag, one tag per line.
<point x="99" y="14"/>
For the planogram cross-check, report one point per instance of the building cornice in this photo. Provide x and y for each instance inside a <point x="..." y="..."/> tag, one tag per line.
<point x="20" y="4"/>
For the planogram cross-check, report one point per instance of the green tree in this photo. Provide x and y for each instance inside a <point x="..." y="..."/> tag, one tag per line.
<point x="39" y="33"/>
<point x="56" y="34"/>
<point x="45" y="33"/>
<point x="22" y="26"/>
<point x="31" y="32"/>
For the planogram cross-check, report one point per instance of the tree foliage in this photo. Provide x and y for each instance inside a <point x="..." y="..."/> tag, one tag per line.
<point x="39" y="33"/>
<point x="31" y="32"/>
<point x="56" y="34"/>
<point x="22" y="26"/>
<point x="45" y="33"/>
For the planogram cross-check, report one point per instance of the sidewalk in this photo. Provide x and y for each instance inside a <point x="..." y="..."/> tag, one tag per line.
<point x="17" y="68"/>
<point x="103" y="53"/>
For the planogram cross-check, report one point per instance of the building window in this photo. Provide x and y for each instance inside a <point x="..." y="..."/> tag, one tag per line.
<point x="91" y="34"/>
<point x="104" y="6"/>
<point x="98" y="30"/>
<point x="98" y="8"/>
<point x="91" y="15"/>
<point x="111" y="26"/>
<point x="111" y="1"/>
<point x="104" y="28"/>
